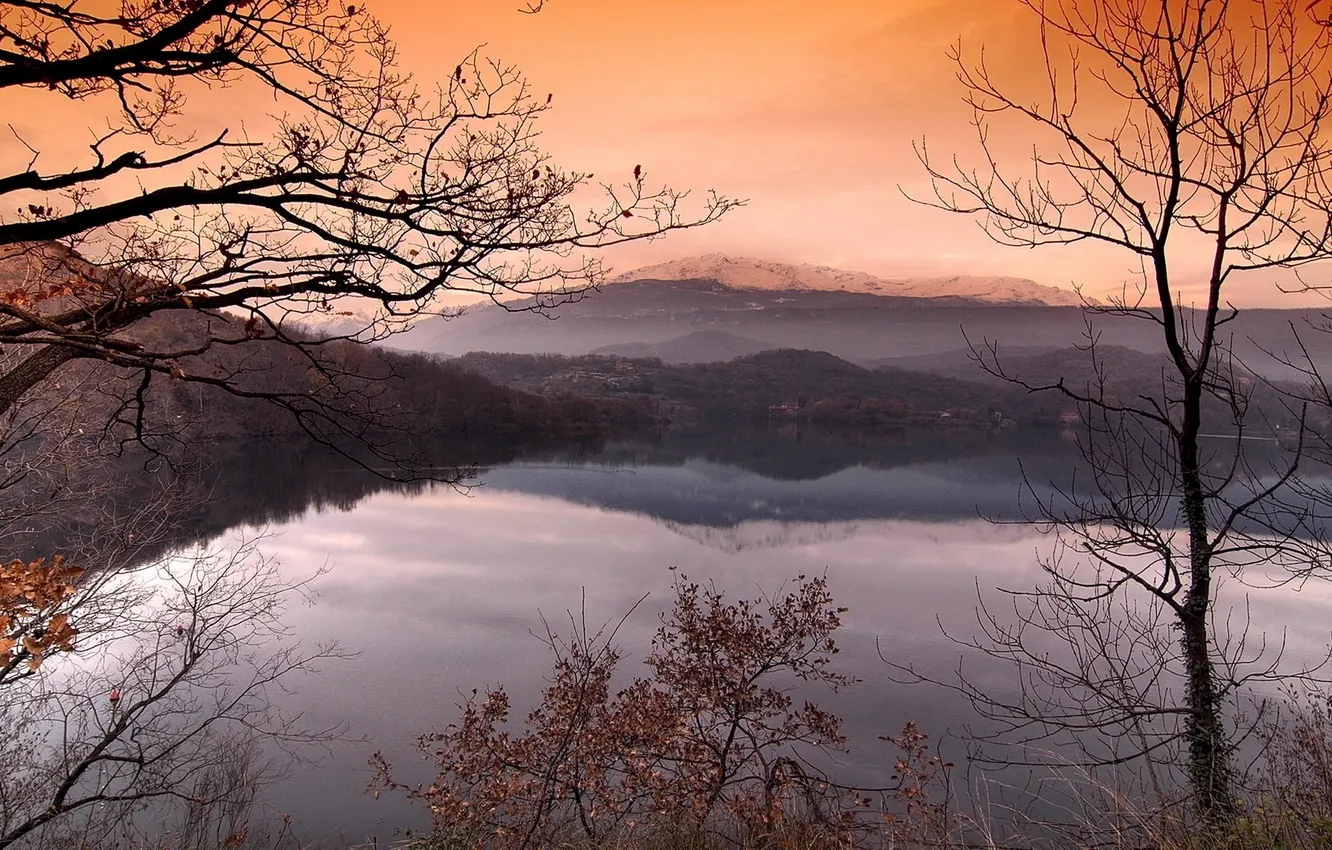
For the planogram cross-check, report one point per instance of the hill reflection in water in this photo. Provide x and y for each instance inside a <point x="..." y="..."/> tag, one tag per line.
<point x="439" y="589"/>
<point x="717" y="476"/>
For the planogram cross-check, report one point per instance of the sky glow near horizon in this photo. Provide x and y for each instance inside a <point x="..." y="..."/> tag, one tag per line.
<point x="809" y="111"/>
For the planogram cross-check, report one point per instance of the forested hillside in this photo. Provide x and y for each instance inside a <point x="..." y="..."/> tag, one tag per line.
<point x="343" y="387"/>
<point x="818" y="387"/>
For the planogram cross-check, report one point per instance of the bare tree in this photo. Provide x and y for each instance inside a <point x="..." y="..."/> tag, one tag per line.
<point x="174" y="670"/>
<point x="371" y="194"/>
<point x="1191" y="135"/>
<point x="161" y="253"/>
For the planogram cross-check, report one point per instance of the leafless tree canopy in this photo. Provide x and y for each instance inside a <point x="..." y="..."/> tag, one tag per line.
<point x="341" y="190"/>
<point x="174" y="676"/>
<point x="1192" y="135"/>
<point x="361" y="185"/>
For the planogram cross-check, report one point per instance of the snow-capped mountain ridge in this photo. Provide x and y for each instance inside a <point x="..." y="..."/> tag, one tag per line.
<point x="749" y="273"/>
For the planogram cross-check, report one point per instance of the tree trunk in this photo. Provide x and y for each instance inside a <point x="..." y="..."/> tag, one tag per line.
<point x="1209" y="747"/>
<point x="34" y="369"/>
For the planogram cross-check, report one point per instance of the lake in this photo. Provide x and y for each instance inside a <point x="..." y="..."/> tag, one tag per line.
<point x="439" y="589"/>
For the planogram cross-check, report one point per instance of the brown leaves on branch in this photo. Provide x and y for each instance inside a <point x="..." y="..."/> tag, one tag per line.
<point x="711" y="734"/>
<point x="30" y="593"/>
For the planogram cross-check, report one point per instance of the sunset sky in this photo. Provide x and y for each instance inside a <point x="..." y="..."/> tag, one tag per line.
<point x="806" y="109"/>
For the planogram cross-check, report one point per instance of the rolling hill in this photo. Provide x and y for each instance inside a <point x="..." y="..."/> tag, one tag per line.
<point x="864" y="326"/>
<point x="697" y="347"/>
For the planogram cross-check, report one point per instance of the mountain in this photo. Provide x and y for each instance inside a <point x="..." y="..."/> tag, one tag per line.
<point x="818" y="388"/>
<point x="340" y="391"/>
<point x="825" y="388"/>
<point x="697" y="347"/>
<point x="854" y="325"/>
<point x="631" y="317"/>
<point x="748" y="273"/>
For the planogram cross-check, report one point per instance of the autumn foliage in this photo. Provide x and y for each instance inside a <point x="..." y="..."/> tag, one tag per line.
<point x="31" y="592"/>
<point x="711" y="738"/>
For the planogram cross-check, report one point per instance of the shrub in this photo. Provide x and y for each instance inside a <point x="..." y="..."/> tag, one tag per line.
<point x="709" y="740"/>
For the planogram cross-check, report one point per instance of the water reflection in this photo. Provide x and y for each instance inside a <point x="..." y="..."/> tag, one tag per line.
<point x="439" y="590"/>
<point x="440" y="594"/>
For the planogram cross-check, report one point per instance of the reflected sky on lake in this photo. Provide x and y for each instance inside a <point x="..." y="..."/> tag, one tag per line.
<point x="440" y="591"/>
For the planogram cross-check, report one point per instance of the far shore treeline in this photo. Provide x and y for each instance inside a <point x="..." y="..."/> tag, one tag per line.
<point x="543" y="398"/>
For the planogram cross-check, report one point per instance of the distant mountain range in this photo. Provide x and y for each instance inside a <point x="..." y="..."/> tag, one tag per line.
<point x="749" y="273"/>
<point x="715" y="308"/>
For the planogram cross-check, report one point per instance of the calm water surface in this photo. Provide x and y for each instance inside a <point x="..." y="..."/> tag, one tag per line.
<point x="440" y="590"/>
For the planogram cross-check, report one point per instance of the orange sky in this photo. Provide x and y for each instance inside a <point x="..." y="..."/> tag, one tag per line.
<point x="806" y="108"/>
